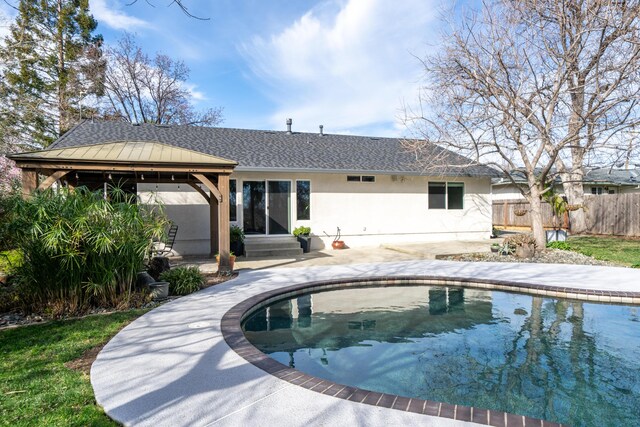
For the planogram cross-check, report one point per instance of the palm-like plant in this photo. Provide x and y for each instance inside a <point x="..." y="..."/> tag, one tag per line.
<point x="82" y="248"/>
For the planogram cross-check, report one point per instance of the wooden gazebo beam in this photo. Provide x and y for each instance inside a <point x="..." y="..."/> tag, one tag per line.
<point x="51" y="179"/>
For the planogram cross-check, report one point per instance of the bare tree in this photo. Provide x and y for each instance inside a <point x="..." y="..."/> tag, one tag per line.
<point x="598" y="42"/>
<point x="499" y="91"/>
<point x="181" y="5"/>
<point x="144" y="90"/>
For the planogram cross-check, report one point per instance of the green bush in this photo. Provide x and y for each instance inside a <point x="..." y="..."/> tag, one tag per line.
<point x="559" y="245"/>
<point x="301" y="231"/>
<point x="183" y="280"/>
<point x="236" y="234"/>
<point x="79" y="248"/>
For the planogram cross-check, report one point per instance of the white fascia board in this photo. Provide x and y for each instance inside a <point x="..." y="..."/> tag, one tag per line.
<point x="341" y="171"/>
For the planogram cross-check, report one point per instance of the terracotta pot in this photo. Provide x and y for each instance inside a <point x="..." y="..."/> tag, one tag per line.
<point x="337" y="244"/>
<point x="232" y="261"/>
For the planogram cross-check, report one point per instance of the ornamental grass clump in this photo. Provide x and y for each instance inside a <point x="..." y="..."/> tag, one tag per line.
<point x="183" y="280"/>
<point x="81" y="249"/>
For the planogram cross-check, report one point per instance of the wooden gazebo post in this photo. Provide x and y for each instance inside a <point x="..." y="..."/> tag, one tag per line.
<point x="29" y="181"/>
<point x="224" y="241"/>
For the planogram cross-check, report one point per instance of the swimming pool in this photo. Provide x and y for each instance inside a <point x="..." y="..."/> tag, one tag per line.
<point x="566" y="361"/>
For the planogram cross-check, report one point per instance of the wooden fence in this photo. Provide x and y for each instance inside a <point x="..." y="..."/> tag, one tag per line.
<point x="607" y="214"/>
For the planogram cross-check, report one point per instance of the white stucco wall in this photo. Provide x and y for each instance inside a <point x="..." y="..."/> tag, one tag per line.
<point x="509" y="191"/>
<point x="368" y="214"/>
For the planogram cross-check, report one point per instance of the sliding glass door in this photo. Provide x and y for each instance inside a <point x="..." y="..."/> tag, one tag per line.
<point x="254" y="207"/>
<point x="279" y="207"/>
<point x="266" y="207"/>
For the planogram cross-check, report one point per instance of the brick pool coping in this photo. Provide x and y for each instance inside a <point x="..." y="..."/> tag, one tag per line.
<point x="234" y="337"/>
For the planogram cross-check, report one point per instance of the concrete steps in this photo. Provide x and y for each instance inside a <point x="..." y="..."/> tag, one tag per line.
<point x="272" y="247"/>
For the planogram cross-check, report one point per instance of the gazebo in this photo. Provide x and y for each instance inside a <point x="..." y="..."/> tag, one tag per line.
<point x="132" y="162"/>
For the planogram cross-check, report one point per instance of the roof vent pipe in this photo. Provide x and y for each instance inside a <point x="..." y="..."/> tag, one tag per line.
<point x="321" y="127"/>
<point x="289" y="122"/>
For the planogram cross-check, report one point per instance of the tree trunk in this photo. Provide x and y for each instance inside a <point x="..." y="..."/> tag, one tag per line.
<point x="61" y="83"/>
<point x="572" y="184"/>
<point x="537" y="225"/>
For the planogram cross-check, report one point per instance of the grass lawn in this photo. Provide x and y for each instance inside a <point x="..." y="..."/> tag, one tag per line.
<point x="36" y="388"/>
<point x="9" y="260"/>
<point x="618" y="250"/>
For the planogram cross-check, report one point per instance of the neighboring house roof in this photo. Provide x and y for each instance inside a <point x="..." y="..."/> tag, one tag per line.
<point x="611" y="176"/>
<point x="599" y="176"/>
<point x="257" y="150"/>
<point x="127" y="152"/>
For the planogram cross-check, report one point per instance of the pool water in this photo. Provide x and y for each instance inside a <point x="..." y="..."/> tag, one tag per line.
<point x="560" y="360"/>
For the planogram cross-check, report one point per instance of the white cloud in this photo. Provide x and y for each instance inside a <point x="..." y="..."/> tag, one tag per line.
<point x="108" y="13"/>
<point x="350" y="69"/>
<point x="194" y="93"/>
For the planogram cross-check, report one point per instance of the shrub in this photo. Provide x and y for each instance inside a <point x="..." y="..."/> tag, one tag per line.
<point x="559" y="245"/>
<point x="236" y="234"/>
<point x="80" y="249"/>
<point x="183" y="280"/>
<point x="301" y="231"/>
<point x="520" y="240"/>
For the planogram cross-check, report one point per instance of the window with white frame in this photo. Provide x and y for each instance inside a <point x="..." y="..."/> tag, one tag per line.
<point x="446" y="195"/>
<point x="303" y="200"/>
<point x="233" y="214"/>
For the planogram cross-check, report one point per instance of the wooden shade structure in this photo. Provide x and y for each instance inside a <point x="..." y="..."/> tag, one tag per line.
<point x="137" y="162"/>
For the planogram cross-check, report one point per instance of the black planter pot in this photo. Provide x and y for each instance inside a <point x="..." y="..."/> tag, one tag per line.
<point x="237" y="248"/>
<point x="305" y="243"/>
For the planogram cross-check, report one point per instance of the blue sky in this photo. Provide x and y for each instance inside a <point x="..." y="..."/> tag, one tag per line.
<point x="350" y="65"/>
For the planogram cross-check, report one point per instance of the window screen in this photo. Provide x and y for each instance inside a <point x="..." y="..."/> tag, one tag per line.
<point x="303" y="199"/>
<point x="353" y="178"/>
<point x="368" y="178"/>
<point x="437" y="193"/>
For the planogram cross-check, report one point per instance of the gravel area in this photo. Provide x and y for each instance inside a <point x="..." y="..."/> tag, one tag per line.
<point x="546" y="256"/>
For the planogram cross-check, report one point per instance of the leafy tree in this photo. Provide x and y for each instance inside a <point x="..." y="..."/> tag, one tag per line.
<point x="146" y="90"/>
<point x="51" y="63"/>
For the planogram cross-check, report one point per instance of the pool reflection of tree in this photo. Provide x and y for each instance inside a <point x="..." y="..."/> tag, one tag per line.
<point x="547" y="366"/>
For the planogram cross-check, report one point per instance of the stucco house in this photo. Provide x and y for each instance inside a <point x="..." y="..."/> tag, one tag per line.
<point x="371" y="188"/>
<point x="597" y="181"/>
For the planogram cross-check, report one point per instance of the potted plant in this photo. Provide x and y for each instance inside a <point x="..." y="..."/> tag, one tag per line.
<point x="559" y="206"/>
<point x="495" y="247"/>
<point x="302" y="233"/>
<point x="337" y="243"/>
<point x="523" y="244"/>
<point x="232" y="260"/>
<point x="159" y="290"/>
<point x="237" y="239"/>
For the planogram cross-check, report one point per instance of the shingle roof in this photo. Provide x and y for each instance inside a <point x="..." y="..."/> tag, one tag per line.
<point x="601" y="176"/>
<point x="265" y="150"/>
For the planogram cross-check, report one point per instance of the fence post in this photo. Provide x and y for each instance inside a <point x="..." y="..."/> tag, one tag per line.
<point x="505" y="214"/>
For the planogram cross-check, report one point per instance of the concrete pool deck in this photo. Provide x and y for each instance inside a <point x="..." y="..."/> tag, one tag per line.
<point x="173" y="367"/>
